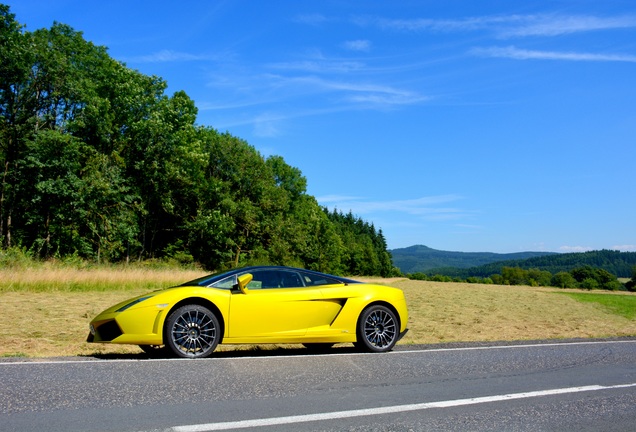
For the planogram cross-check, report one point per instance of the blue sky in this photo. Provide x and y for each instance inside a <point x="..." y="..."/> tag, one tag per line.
<point x="498" y="126"/>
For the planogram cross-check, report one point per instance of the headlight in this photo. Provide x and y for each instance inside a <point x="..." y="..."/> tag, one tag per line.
<point x="132" y="303"/>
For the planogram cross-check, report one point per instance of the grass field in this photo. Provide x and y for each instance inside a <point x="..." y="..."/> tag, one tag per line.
<point x="45" y="312"/>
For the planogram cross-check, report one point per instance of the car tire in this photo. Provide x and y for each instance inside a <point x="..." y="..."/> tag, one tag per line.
<point x="192" y="331"/>
<point x="378" y="329"/>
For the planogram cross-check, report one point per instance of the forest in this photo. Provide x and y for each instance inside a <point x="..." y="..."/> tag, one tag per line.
<point x="423" y="259"/>
<point x="98" y="162"/>
<point x="615" y="262"/>
<point x="587" y="270"/>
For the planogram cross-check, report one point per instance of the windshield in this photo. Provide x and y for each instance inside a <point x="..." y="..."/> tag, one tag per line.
<point x="227" y="280"/>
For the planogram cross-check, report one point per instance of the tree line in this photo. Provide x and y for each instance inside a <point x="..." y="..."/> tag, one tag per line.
<point x="615" y="262"/>
<point x="99" y="162"/>
<point x="585" y="277"/>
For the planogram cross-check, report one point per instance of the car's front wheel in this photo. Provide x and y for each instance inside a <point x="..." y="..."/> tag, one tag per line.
<point x="378" y="329"/>
<point x="192" y="331"/>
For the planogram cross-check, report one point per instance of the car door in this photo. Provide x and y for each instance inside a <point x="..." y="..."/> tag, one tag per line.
<point x="276" y="305"/>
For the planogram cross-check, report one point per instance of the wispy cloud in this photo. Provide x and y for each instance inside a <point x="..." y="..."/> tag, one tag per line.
<point x="443" y="25"/>
<point x="375" y="94"/>
<point x="319" y="66"/>
<point x="524" y="54"/>
<point x="164" y="56"/>
<point x="267" y="125"/>
<point x="329" y="199"/>
<point x="314" y="19"/>
<point x="625" y="248"/>
<point x="432" y="207"/>
<point x="569" y="249"/>
<point x="356" y="94"/>
<point x="506" y="26"/>
<point x="554" y="25"/>
<point x="357" y="45"/>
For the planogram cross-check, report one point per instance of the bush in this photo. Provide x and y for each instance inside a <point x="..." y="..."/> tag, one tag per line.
<point x="613" y="286"/>
<point x="563" y="280"/>
<point x="16" y="257"/>
<point x="589" y="284"/>
<point x="417" y="276"/>
<point x="497" y="279"/>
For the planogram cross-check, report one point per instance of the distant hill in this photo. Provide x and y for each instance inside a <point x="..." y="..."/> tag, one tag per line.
<point x="620" y="264"/>
<point x="422" y="259"/>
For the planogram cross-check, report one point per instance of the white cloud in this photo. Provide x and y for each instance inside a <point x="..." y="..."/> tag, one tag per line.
<point x="168" y="56"/>
<point x="267" y="125"/>
<point x="523" y="54"/>
<point x="554" y="25"/>
<point x="314" y="19"/>
<point x="357" y="45"/>
<point x="569" y="249"/>
<point x="446" y="25"/>
<point x="622" y="248"/>
<point x="366" y="93"/>
<point x="432" y="207"/>
<point x="319" y="66"/>
<point x="336" y="198"/>
<point x="625" y="248"/>
<point x="506" y="26"/>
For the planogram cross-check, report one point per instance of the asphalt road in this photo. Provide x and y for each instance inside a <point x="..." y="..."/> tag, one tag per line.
<point x="582" y="386"/>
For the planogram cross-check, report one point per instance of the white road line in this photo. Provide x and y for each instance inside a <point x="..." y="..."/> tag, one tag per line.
<point x="494" y="347"/>
<point x="33" y="361"/>
<point x="385" y="410"/>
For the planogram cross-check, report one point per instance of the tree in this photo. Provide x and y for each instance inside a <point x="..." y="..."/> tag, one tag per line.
<point x="514" y="275"/>
<point x="538" y="277"/>
<point x="563" y="280"/>
<point x="96" y="160"/>
<point x="631" y="284"/>
<point x="14" y="71"/>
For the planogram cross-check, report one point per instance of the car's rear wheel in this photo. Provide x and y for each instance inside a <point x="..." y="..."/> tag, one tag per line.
<point x="378" y="329"/>
<point x="192" y="331"/>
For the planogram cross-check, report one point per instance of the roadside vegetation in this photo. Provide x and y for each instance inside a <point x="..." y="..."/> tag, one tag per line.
<point x="620" y="305"/>
<point x="585" y="277"/>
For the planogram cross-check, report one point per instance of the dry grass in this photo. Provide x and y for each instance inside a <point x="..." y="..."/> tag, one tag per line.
<point x="45" y="311"/>
<point x="454" y="312"/>
<point x="99" y="279"/>
<point x="54" y="322"/>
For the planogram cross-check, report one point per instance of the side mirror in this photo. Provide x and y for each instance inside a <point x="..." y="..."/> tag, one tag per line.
<point x="243" y="280"/>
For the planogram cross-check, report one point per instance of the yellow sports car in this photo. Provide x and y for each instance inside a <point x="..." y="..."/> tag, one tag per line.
<point x="257" y="305"/>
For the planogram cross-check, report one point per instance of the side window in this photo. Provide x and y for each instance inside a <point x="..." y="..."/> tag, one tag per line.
<point x="319" y="279"/>
<point x="264" y="279"/>
<point x="227" y="283"/>
<point x="290" y="280"/>
<point x="267" y="279"/>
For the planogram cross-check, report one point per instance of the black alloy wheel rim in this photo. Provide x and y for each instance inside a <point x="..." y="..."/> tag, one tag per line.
<point x="194" y="333"/>
<point x="380" y="328"/>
